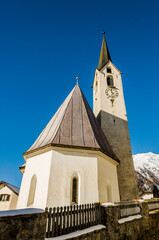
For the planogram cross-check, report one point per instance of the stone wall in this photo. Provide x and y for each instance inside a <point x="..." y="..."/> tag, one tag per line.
<point x="135" y="227"/>
<point x="22" y="225"/>
<point x="141" y="224"/>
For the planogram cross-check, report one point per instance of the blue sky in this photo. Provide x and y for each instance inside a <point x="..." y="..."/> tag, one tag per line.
<point x="44" y="45"/>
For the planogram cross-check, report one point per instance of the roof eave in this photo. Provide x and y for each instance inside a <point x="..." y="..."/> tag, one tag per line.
<point x="2" y="182"/>
<point x="70" y="146"/>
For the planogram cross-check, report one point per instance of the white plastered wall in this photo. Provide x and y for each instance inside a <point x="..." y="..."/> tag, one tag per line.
<point x="107" y="178"/>
<point x="54" y="170"/>
<point x="64" y="165"/>
<point x="40" y="166"/>
<point x="100" y="100"/>
<point x="11" y="204"/>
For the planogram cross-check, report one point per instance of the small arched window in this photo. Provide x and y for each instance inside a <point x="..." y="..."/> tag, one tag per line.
<point x="74" y="194"/>
<point x="109" y="70"/>
<point x="32" y="190"/>
<point x="110" y="81"/>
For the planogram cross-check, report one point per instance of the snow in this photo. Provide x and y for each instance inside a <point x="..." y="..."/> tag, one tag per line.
<point x="146" y="160"/>
<point x="107" y="204"/>
<point x="141" y="200"/>
<point x="128" y="219"/>
<point x="145" y="163"/>
<point x="77" y="233"/>
<point x="153" y="212"/>
<point x="20" y="212"/>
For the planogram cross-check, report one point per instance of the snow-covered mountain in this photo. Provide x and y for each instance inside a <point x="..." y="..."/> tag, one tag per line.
<point x="147" y="170"/>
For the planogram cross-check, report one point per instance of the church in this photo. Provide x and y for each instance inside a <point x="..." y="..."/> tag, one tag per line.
<point x="83" y="156"/>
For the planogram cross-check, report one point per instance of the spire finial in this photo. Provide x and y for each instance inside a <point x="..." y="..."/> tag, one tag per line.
<point x="104" y="54"/>
<point x="77" y="80"/>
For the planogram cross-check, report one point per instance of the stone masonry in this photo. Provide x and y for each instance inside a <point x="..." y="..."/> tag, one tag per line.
<point x="23" y="227"/>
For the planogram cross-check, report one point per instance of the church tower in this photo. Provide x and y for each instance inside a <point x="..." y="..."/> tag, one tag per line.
<point x="109" y="109"/>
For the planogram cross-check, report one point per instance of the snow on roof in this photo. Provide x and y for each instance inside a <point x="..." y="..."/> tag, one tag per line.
<point x="13" y="188"/>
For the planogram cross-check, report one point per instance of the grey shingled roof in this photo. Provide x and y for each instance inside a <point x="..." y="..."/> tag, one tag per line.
<point x="74" y="124"/>
<point x="13" y="188"/>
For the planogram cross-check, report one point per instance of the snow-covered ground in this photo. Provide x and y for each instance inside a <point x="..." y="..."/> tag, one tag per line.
<point x="78" y="233"/>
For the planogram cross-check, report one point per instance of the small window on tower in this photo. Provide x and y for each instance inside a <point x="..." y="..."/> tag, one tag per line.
<point x="109" y="70"/>
<point x="110" y="81"/>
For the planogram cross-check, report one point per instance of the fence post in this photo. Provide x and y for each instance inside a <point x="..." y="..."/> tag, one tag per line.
<point x="77" y="219"/>
<point x="98" y="214"/>
<point x="110" y="220"/>
<point x="64" y="220"/>
<point x="49" y="222"/>
<point x="53" y="223"/>
<point x="80" y="217"/>
<point x="46" y="212"/>
<point x="57" y="221"/>
<point x="145" y="214"/>
<point x="61" y="214"/>
<point x="68" y="217"/>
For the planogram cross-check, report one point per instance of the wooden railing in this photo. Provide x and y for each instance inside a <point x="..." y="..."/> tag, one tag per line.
<point x="68" y="219"/>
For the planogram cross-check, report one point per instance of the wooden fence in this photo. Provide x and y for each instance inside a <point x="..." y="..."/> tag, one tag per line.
<point x="65" y="220"/>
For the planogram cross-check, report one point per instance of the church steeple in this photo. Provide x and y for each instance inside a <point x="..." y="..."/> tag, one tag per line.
<point x="110" y="111"/>
<point x="104" y="54"/>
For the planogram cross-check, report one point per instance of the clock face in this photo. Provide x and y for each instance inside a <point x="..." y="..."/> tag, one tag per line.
<point x="111" y="93"/>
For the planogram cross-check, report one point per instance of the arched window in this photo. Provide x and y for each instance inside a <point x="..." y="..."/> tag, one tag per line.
<point x="32" y="190"/>
<point x="109" y="70"/>
<point x="110" y="81"/>
<point x="75" y="189"/>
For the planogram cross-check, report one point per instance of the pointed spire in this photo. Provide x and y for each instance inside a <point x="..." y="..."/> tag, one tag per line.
<point x="104" y="54"/>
